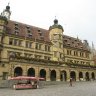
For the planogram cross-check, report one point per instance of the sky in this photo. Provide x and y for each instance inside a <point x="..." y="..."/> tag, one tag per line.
<point x="78" y="17"/>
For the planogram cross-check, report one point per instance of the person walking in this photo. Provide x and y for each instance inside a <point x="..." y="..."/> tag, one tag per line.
<point x="70" y="81"/>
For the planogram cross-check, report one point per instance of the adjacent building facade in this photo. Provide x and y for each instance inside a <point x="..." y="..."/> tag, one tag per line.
<point x="33" y="51"/>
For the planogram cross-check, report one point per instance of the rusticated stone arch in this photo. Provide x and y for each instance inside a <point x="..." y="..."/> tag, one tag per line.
<point x="73" y="75"/>
<point x="43" y="73"/>
<point x="80" y="76"/>
<point x="93" y="76"/>
<point x="53" y="75"/>
<point x="63" y="75"/>
<point x="31" y="72"/>
<point x="87" y="76"/>
<point x="18" y="71"/>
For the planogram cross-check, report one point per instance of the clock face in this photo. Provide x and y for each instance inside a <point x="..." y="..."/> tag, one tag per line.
<point x="6" y="14"/>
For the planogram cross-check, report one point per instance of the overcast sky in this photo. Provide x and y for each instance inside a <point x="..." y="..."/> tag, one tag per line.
<point x="78" y="17"/>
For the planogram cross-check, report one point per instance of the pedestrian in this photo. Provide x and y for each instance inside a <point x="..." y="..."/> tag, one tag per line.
<point x="70" y="81"/>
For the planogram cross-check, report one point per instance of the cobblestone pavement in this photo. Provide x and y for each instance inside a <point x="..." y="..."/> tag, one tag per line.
<point x="78" y="89"/>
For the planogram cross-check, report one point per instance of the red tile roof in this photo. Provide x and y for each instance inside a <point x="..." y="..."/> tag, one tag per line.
<point x="42" y="34"/>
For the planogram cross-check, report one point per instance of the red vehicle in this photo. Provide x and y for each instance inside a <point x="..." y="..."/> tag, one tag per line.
<point x="26" y="82"/>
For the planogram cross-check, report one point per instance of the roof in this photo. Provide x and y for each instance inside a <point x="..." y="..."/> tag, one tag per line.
<point x="42" y="34"/>
<point x="74" y="43"/>
<point x="23" y="29"/>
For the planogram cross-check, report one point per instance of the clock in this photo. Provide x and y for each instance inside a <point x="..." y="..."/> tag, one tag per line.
<point x="6" y="14"/>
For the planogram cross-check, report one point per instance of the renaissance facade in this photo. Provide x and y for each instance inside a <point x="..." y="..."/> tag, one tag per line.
<point x="33" y="51"/>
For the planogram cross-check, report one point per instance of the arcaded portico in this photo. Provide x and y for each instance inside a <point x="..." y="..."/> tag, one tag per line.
<point x="53" y="73"/>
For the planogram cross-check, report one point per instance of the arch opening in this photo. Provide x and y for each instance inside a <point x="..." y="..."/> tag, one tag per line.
<point x="53" y="75"/>
<point x="31" y="72"/>
<point x="63" y="75"/>
<point x="18" y="71"/>
<point x="43" y="73"/>
<point x="73" y="75"/>
<point x="80" y="76"/>
<point x="93" y="76"/>
<point x="87" y="76"/>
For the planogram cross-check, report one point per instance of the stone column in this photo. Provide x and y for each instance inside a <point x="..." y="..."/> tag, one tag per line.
<point x="68" y="75"/>
<point x="48" y="74"/>
<point x="57" y="75"/>
<point x="24" y="68"/>
<point x="84" y="76"/>
<point x="90" y="76"/>
<point x="77" y="76"/>
<point x="37" y="72"/>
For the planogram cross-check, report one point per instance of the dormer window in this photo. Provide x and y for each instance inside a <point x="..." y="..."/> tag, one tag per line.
<point x="27" y="27"/>
<point x="75" y="40"/>
<point x="72" y="42"/>
<point x="30" y="35"/>
<point x="16" y="24"/>
<point x="16" y="32"/>
<point x="16" y="29"/>
<point x="68" y="43"/>
<point x="65" y="40"/>
<point x="38" y="30"/>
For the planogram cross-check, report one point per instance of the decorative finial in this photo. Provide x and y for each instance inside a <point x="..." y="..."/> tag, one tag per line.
<point x="8" y="3"/>
<point x="55" y="17"/>
<point x="8" y="7"/>
<point x="55" y="21"/>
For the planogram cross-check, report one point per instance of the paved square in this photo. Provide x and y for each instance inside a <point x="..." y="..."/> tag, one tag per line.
<point x="78" y="89"/>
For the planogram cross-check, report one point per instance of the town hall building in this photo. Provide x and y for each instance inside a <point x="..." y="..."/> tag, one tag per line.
<point x="26" y="50"/>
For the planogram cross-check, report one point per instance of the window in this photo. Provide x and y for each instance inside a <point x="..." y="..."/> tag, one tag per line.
<point x="10" y="41"/>
<point x="47" y="48"/>
<point x="30" y="44"/>
<point x="75" y="53"/>
<point x="20" y="43"/>
<point x="36" y="46"/>
<point x="15" y="42"/>
<point x="16" y="32"/>
<point x="69" y="52"/>
<point x="87" y="55"/>
<point x="16" y="29"/>
<point x="61" y="55"/>
<point x="81" y="54"/>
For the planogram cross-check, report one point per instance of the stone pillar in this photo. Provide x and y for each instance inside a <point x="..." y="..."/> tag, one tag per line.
<point x="90" y="76"/>
<point x="68" y="75"/>
<point x="48" y="74"/>
<point x="57" y="75"/>
<point x="77" y="76"/>
<point x="37" y="72"/>
<point x="24" y="68"/>
<point x="84" y="76"/>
